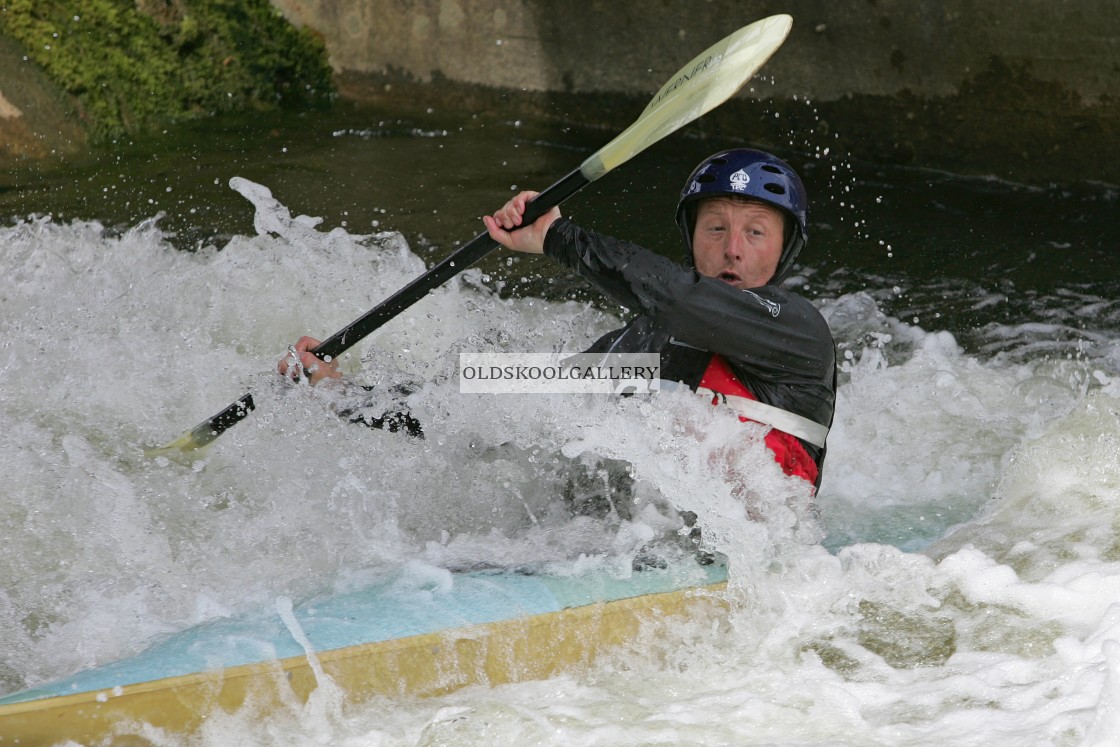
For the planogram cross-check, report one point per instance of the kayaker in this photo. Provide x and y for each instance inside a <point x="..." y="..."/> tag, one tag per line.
<point x="720" y="321"/>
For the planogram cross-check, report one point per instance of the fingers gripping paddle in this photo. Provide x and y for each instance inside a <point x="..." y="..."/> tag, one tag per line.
<point x="700" y="86"/>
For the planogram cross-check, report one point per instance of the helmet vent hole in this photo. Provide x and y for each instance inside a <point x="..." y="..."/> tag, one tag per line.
<point x="777" y="189"/>
<point x="719" y="161"/>
<point x="771" y="168"/>
<point x="705" y="178"/>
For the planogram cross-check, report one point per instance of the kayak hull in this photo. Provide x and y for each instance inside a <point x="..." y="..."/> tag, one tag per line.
<point x="516" y="649"/>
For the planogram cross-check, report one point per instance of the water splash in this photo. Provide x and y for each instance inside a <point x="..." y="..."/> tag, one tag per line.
<point x="1001" y="632"/>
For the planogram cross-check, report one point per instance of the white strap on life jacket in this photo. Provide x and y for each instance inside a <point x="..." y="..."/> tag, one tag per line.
<point x="807" y="430"/>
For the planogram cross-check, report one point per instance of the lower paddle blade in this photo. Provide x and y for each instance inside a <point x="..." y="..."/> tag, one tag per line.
<point x="206" y="431"/>
<point x="184" y="443"/>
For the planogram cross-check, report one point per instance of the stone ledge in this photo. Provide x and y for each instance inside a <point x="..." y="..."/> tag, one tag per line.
<point x="36" y="121"/>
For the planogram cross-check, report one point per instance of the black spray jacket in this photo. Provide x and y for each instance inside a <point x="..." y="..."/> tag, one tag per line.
<point x="776" y="342"/>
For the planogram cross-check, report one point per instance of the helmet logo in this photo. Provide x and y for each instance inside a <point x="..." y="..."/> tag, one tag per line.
<point x="739" y="180"/>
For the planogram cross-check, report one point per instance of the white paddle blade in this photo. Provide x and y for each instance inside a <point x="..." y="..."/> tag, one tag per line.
<point x="711" y="78"/>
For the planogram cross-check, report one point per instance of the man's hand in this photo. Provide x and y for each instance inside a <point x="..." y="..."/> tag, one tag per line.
<point x="529" y="239"/>
<point x="309" y="366"/>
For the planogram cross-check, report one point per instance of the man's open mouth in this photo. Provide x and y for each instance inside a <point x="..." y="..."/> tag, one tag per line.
<point x="729" y="277"/>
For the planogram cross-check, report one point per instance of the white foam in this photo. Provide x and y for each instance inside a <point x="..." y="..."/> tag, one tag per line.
<point x="1002" y="633"/>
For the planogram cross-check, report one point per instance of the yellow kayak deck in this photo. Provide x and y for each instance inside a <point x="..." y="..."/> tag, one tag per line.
<point x="510" y="650"/>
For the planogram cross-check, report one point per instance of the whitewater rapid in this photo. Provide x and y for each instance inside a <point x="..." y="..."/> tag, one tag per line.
<point x="956" y="581"/>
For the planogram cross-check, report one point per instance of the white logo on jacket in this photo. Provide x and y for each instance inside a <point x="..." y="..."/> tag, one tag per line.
<point x="772" y="306"/>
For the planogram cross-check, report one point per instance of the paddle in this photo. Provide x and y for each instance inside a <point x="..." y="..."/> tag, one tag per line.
<point x="700" y="86"/>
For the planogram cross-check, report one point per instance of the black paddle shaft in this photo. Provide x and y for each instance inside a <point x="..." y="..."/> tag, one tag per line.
<point x="456" y="262"/>
<point x="461" y="259"/>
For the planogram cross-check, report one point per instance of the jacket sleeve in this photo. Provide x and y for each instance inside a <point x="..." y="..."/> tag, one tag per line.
<point x="384" y="408"/>
<point x="779" y="334"/>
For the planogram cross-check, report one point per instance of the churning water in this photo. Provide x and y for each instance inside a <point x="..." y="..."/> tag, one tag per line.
<point x="956" y="581"/>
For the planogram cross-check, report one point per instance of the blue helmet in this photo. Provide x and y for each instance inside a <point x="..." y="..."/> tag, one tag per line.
<point x="744" y="172"/>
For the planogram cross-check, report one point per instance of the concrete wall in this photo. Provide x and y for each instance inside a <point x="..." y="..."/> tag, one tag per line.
<point x="1025" y="89"/>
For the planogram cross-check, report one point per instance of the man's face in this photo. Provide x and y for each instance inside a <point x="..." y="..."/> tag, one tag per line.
<point x="736" y="241"/>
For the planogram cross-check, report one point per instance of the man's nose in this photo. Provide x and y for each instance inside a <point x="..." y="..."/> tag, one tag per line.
<point x="735" y="245"/>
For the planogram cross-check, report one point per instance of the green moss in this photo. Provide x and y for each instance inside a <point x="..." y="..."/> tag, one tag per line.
<point x="132" y="69"/>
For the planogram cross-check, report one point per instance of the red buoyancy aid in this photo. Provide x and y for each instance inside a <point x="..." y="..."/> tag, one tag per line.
<point x="788" y="451"/>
